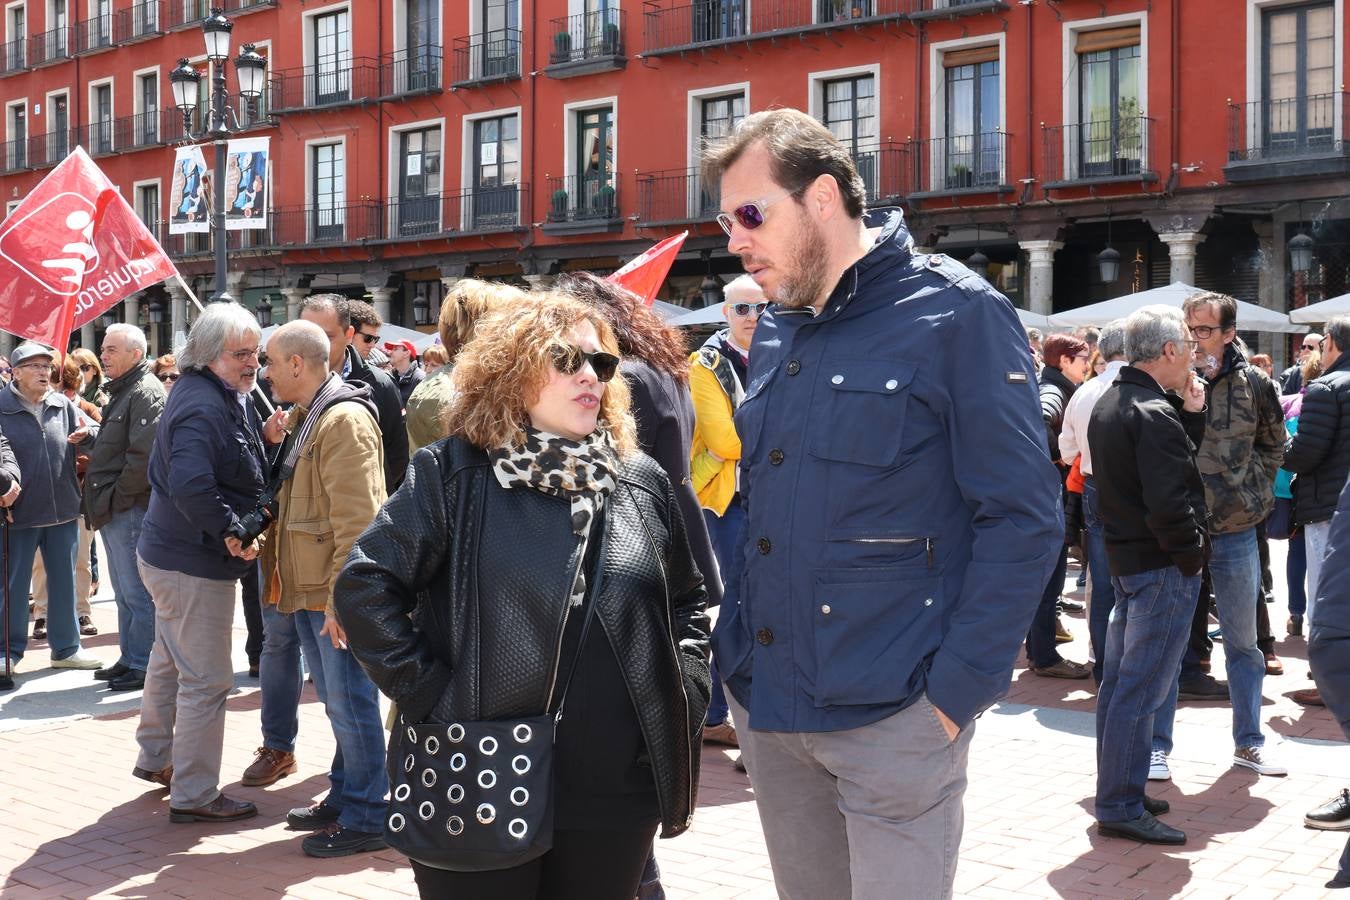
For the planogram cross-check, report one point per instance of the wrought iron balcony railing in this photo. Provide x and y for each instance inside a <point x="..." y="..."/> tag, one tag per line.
<point x="1285" y="129"/>
<point x="587" y="36"/>
<point x="961" y="163"/>
<point x="1110" y="149"/>
<point x="487" y="57"/>
<point x="51" y="46"/>
<point x="143" y="19"/>
<point x="576" y="198"/>
<point x="416" y="70"/>
<point x="326" y="82"/>
<point x="94" y="34"/>
<point x="14" y="56"/>
<point x="673" y="26"/>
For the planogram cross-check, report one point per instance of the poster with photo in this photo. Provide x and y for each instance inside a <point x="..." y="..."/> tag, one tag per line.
<point x="246" y="183"/>
<point x="190" y="193"/>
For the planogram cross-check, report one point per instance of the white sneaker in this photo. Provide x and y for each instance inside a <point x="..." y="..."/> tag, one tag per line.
<point x="78" y="660"/>
<point x="1157" y="767"/>
<point x="1258" y="759"/>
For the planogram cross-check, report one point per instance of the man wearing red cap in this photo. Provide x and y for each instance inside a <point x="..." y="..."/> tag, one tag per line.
<point x="407" y="370"/>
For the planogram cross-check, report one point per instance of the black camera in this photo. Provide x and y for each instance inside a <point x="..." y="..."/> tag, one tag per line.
<point x="255" y="523"/>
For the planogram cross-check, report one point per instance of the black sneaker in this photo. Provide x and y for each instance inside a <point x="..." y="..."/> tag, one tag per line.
<point x="313" y="818"/>
<point x="1202" y="687"/>
<point x="116" y="670"/>
<point x="338" y="841"/>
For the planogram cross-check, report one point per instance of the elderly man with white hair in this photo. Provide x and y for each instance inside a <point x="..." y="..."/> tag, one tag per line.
<point x="117" y="494"/>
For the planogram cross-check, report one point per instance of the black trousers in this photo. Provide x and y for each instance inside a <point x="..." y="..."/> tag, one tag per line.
<point x="252" y="599"/>
<point x="583" y="865"/>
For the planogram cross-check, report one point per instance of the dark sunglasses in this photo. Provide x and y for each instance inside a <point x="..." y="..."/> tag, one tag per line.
<point x="569" y="360"/>
<point x="368" y="338"/>
<point x="750" y="215"/>
<point x="169" y="377"/>
<point x="743" y="309"/>
<point x="86" y="368"/>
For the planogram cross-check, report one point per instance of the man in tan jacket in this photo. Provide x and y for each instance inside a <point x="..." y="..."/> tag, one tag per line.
<point x="332" y="484"/>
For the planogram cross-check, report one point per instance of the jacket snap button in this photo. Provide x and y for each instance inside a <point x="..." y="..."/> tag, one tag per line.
<point x="838" y="379"/>
<point x="764" y="636"/>
<point x="825" y="609"/>
<point x="764" y="546"/>
<point x="892" y="384"/>
<point x="775" y="456"/>
<point x="793" y="367"/>
<point x="928" y="601"/>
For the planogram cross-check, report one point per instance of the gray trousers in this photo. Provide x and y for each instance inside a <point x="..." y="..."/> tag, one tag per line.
<point x="189" y="677"/>
<point x="872" y="812"/>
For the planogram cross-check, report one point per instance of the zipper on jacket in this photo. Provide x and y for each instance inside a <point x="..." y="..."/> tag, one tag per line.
<point x="926" y="541"/>
<point x="562" y="630"/>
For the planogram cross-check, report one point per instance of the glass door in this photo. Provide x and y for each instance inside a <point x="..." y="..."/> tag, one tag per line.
<point x="419" y="182"/>
<point x="328" y="189"/>
<point x="501" y="19"/>
<point x="851" y="116"/>
<point x="332" y="58"/>
<point x="496" y="172"/>
<point x="422" y="39"/>
<point x="595" y="164"/>
<point x="1299" y="111"/>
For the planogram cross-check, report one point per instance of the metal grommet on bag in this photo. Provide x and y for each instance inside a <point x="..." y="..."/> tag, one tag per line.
<point x="433" y="744"/>
<point x="521" y="764"/>
<point x="487" y="778"/>
<point x="522" y="733"/>
<point x="455" y="733"/>
<point x="412" y="735"/>
<point x="455" y="794"/>
<point x="488" y="745"/>
<point x="426" y="810"/>
<point x="402" y="792"/>
<point x="458" y="762"/>
<point x="409" y="763"/>
<point x="486" y="814"/>
<point x="397" y="822"/>
<point x="520" y="796"/>
<point x="454" y="825"/>
<point x="428" y="777"/>
<point x="517" y="828"/>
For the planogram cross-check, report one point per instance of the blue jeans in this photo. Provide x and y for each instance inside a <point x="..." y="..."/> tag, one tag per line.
<point x="1296" y="573"/>
<point x="1145" y="640"/>
<point x="1235" y="569"/>
<point x="1041" y="652"/>
<point x="280" y="678"/>
<point x="1099" y="569"/>
<point x="59" y="545"/>
<point x="358" y="781"/>
<point x="725" y="533"/>
<point x="135" y="609"/>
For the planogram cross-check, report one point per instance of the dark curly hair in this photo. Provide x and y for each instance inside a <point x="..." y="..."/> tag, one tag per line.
<point x="641" y="332"/>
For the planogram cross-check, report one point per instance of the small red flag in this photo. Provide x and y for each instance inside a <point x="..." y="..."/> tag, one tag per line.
<point x="71" y="249"/>
<point x="645" y="273"/>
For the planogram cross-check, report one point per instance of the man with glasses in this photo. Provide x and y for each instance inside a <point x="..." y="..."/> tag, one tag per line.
<point x="367" y="323"/>
<point x="717" y="377"/>
<point x="900" y="520"/>
<point x="1242" y="451"/>
<point x="117" y="494"/>
<point x="207" y="470"/>
<point x="1291" y="379"/>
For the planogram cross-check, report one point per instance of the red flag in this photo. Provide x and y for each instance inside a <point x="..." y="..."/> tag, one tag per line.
<point x="645" y="273"/>
<point x="71" y="249"/>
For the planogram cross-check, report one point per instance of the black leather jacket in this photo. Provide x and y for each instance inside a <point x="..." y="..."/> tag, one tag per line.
<point x="1320" y="453"/>
<point x="455" y="598"/>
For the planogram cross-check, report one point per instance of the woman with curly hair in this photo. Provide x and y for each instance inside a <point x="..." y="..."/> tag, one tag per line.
<point x="165" y="368"/>
<point x="470" y="597"/>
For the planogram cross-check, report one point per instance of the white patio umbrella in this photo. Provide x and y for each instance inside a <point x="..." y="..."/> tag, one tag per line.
<point x="708" y="315"/>
<point x="1316" y="313"/>
<point x="1032" y="320"/>
<point x="1250" y="316"/>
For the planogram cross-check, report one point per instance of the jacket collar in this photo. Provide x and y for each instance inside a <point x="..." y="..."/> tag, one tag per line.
<point x="128" y="378"/>
<point x="11" y="401"/>
<point x="1131" y="375"/>
<point x="891" y="247"/>
<point x="1340" y="365"/>
<point x="1053" y="375"/>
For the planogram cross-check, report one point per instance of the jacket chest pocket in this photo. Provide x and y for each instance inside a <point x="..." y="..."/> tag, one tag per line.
<point x="864" y="402"/>
<point x="310" y="543"/>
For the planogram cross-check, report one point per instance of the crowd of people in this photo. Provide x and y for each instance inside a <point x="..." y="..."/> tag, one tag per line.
<point x="516" y="537"/>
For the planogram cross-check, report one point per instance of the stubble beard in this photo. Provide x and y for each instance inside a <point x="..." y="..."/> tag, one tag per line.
<point x="803" y="284"/>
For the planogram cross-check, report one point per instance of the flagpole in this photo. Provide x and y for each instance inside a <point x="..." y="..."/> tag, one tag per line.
<point x="259" y="392"/>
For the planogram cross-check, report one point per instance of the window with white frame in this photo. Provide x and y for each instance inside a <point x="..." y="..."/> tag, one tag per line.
<point x="418" y="209"/>
<point x="146" y="129"/>
<point x="718" y="115"/>
<point x="328" y="190"/>
<point x="147" y="204"/>
<point x="332" y="70"/>
<point x="101" y="101"/>
<point x="1110" y="131"/>
<point x="58" y="132"/>
<point x="58" y="27"/>
<point x="969" y="154"/>
<point x="16" y="135"/>
<point x="848" y="109"/>
<point x="496" y="172"/>
<point x="98" y="27"/>
<point x="16" y="38"/>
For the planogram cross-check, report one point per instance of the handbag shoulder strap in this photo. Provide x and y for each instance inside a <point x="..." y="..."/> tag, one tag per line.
<point x="592" y="599"/>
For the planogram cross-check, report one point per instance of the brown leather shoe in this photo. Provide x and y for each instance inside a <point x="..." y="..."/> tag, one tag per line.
<point x="268" y="767"/>
<point x="1308" y="697"/>
<point x="1064" y="669"/>
<point x="161" y="776"/>
<point x="221" y="809"/>
<point x="1273" y="665"/>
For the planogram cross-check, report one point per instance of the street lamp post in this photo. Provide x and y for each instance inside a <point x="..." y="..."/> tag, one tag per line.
<point x="221" y="121"/>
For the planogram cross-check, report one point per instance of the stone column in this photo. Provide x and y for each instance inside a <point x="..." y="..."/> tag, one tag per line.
<point x="1040" y="291"/>
<point x="177" y="313"/>
<point x="381" y="298"/>
<point x="87" y="337"/>
<point x="234" y="285"/>
<point x="7" y="343"/>
<point x="1267" y="295"/>
<point x="294" y="297"/>
<point x="1181" y="253"/>
<point x="132" y="309"/>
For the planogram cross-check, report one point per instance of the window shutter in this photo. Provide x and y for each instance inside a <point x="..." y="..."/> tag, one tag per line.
<point x="1107" y="39"/>
<point x="970" y="56"/>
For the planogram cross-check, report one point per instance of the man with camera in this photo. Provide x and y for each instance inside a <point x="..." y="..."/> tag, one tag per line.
<point x="330" y="484"/>
<point x="207" y="469"/>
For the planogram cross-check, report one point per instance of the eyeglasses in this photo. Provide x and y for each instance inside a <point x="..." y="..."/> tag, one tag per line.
<point x="246" y="355"/>
<point x="168" y="377"/>
<point x="569" y="360"/>
<point x="743" y="309"/>
<point x="750" y="215"/>
<point x="1204" y="331"/>
<point x="1083" y="356"/>
<point x="37" y="365"/>
<point x="1313" y="346"/>
<point x="368" y="338"/>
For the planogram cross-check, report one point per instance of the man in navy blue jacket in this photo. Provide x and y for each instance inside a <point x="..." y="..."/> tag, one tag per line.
<point x="903" y="519"/>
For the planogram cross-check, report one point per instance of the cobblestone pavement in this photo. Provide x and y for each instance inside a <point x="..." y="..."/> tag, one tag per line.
<point x="78" y="825"/>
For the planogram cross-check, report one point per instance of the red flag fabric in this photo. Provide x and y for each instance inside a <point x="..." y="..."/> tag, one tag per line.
<point x="645" y="273"/>
<point x="71" y="249"/>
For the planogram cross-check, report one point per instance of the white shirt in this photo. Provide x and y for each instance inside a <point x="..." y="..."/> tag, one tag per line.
<point x="1073" y="437"/>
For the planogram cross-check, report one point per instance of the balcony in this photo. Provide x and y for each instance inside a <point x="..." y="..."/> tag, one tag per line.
<point x="130" y="133"/>
<point x="950" y="9"/>
<point x="50" y="148"/>
<point x="1104" y="152"/>
<point x="143" y="19"/>
<point x="51" y="46"/>
<point x="93" y="35"/>
<point x="961" y="164"/>
<point x="583" y="204"/>
<point x="481" y="210"/>
<point x="486" y="58"/>
<point x="182" y="13"/>
<point x="587" y="43"/>
<point x="327" y="84"/>
<point x="13" y="56"/>
<point x="1287" y="138"/>
<point x="887" y="172"/>
<point x="199" y="244"/>
<point x="675" y="197"/>
<point x="670" y="28"/>
<point x="13" y="156"/>
<point x="416" y="70"/>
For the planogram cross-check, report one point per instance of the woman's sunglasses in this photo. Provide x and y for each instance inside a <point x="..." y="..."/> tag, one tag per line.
<point x="744" y="309"/>
<point x="569" y="360"/>
<point x="749" y="215"/>
<point x="169" y="377"/>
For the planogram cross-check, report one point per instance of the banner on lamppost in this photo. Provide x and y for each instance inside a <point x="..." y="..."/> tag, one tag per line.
<point x="190" y="194"/>
<point x="246" y="183"/>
